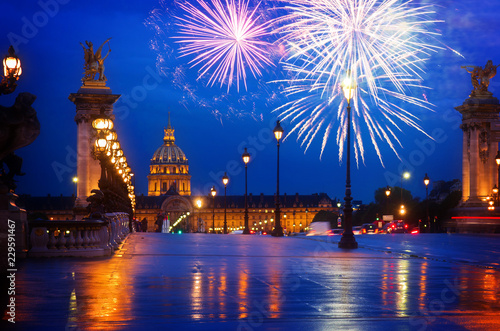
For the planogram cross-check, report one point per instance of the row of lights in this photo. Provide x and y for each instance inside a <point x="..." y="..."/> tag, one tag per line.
<point x="278" y="134"/>
<point x="108" y="146"/>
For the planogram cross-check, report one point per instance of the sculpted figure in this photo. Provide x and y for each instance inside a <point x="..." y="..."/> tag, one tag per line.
<point x="480" y="77"/>
<point x="94" y="62"/>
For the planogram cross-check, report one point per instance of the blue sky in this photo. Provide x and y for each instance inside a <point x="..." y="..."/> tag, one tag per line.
<point x="212" y="126"/>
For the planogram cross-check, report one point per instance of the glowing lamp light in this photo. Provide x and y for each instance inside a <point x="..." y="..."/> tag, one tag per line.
<point x="213" y="191"/>
<point x="278" y="131"/>
<point x="388" y="191"/>
<point x="225" y="179"/>
<point x="102" y="123"/>
<point x="348" y="86"/>
<point x="198" y="203"/>
<point x="12" y="65"/>
<point x="100" y="144"/>
<point x="246" y="156"/>
<point x="495" y="189"/>
<point x="497" y="158"/>
<point x="406" y="175"/>
<point x="426" y="180"/>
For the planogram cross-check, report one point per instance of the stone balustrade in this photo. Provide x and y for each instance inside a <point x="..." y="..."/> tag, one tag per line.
<point x="89" y="237"/>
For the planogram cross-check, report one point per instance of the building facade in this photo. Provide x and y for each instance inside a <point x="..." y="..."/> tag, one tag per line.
<point x="169" y="168"/>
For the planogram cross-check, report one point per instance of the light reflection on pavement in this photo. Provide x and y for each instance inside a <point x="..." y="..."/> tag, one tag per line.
<point x="217" y="282"/>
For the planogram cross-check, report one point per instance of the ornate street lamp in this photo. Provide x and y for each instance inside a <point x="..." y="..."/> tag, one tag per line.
<point x="11" y="71"/>
<point x="225" y="180"/>
<point x="495" y="193"/>
<point x="426" y="182"/>
<point x="278" y="231"/>
<point x="347" y="240"/>
<point x="246" y="159"/>
<point x="213" y="192"/>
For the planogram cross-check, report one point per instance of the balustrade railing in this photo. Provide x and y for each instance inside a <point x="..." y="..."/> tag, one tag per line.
<point x="89" y="237"/>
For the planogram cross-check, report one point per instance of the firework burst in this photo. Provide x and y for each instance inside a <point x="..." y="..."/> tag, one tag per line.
<point x="383" y="44"/>
<point x="225" y="39"/>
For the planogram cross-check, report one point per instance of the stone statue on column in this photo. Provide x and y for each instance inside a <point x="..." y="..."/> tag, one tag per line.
<point x="480" y="77"/>
<point x="94" y="62"/>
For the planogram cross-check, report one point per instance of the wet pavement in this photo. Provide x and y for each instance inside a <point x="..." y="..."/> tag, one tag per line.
<point x="235" y="282"/>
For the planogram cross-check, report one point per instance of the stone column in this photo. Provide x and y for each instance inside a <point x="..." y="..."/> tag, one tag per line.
<point x="465" y="164"/>
<point x="480" y="119"/>
<point x="89" y="100"/>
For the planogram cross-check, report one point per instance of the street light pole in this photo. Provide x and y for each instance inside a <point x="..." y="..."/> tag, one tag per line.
<point x="278" y="231"/>
<point x="497" y="160"/>
<point x="213" y="192"/>
<point x="426" y="182"/>
<point x="246" y="159"/>
<point x="347" y="240"/>
<point x="225" y="180"/>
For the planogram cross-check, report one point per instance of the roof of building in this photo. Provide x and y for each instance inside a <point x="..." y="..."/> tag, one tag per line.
<point x="169" y="152"/>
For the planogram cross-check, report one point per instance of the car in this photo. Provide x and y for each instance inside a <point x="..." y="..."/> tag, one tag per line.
<point x="319" y="229"/>
<point x="337" y="232"/>
<point x="369" y="228"/>
<point x="356" y="229"/>
<point x="396" y="227"/>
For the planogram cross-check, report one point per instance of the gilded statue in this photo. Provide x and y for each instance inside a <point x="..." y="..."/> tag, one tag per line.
<point x="480" y="77"/>
<point x="94" y="62"/>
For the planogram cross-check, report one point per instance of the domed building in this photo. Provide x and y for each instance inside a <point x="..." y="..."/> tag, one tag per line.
<point x="169" y="168"/>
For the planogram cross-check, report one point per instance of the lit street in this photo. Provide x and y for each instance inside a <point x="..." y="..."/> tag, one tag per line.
<point x="236" y="282"/>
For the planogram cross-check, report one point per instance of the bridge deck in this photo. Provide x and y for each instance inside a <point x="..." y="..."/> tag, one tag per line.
<point x="236" y="282"/>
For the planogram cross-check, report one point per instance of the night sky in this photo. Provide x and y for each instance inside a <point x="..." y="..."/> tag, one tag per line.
<point x="211" y="125"/>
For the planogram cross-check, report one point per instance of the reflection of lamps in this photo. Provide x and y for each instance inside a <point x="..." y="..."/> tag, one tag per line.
<point x="213" y="192"/>
<point x="225" y="180"/>
<point x="278" y="231"/>
<point x="11" y="71"/>
<point x="246" y="159"/>
<point x="347" y="240"/>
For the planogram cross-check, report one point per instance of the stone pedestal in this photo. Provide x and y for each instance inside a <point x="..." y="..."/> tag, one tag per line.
<point x="481" y="134"/>
<point x="89" y="100"/>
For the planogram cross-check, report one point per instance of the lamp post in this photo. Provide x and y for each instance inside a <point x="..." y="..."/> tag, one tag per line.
<point x="278" y="231"/>
<point x="387" y="194"/>
<point x="495" y="193"/>
<point x="11" y="71"/>
<point x="404" y="175"/>
<point x="246" y="159"/>
<point x="347" y="240"/>
<point x="307" y="211"/>
<point x="213" y="192"/>
<point x="198" y="205"/>
<point x="497" y="160"/>
<point x="225" y="180"/>
<point x="75" y="180"/>
<point x="426" y="182"/>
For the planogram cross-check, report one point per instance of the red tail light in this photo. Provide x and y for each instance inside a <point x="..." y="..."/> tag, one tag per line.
<point x="329" y="233"/>
<point x="394" y="226"/>
<point x="376" y="230"/>
<point x="406" y="226"/>
<point x="414" y="231"/>
<point x="252" y="232"/>
<point x="364" y="231"/>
